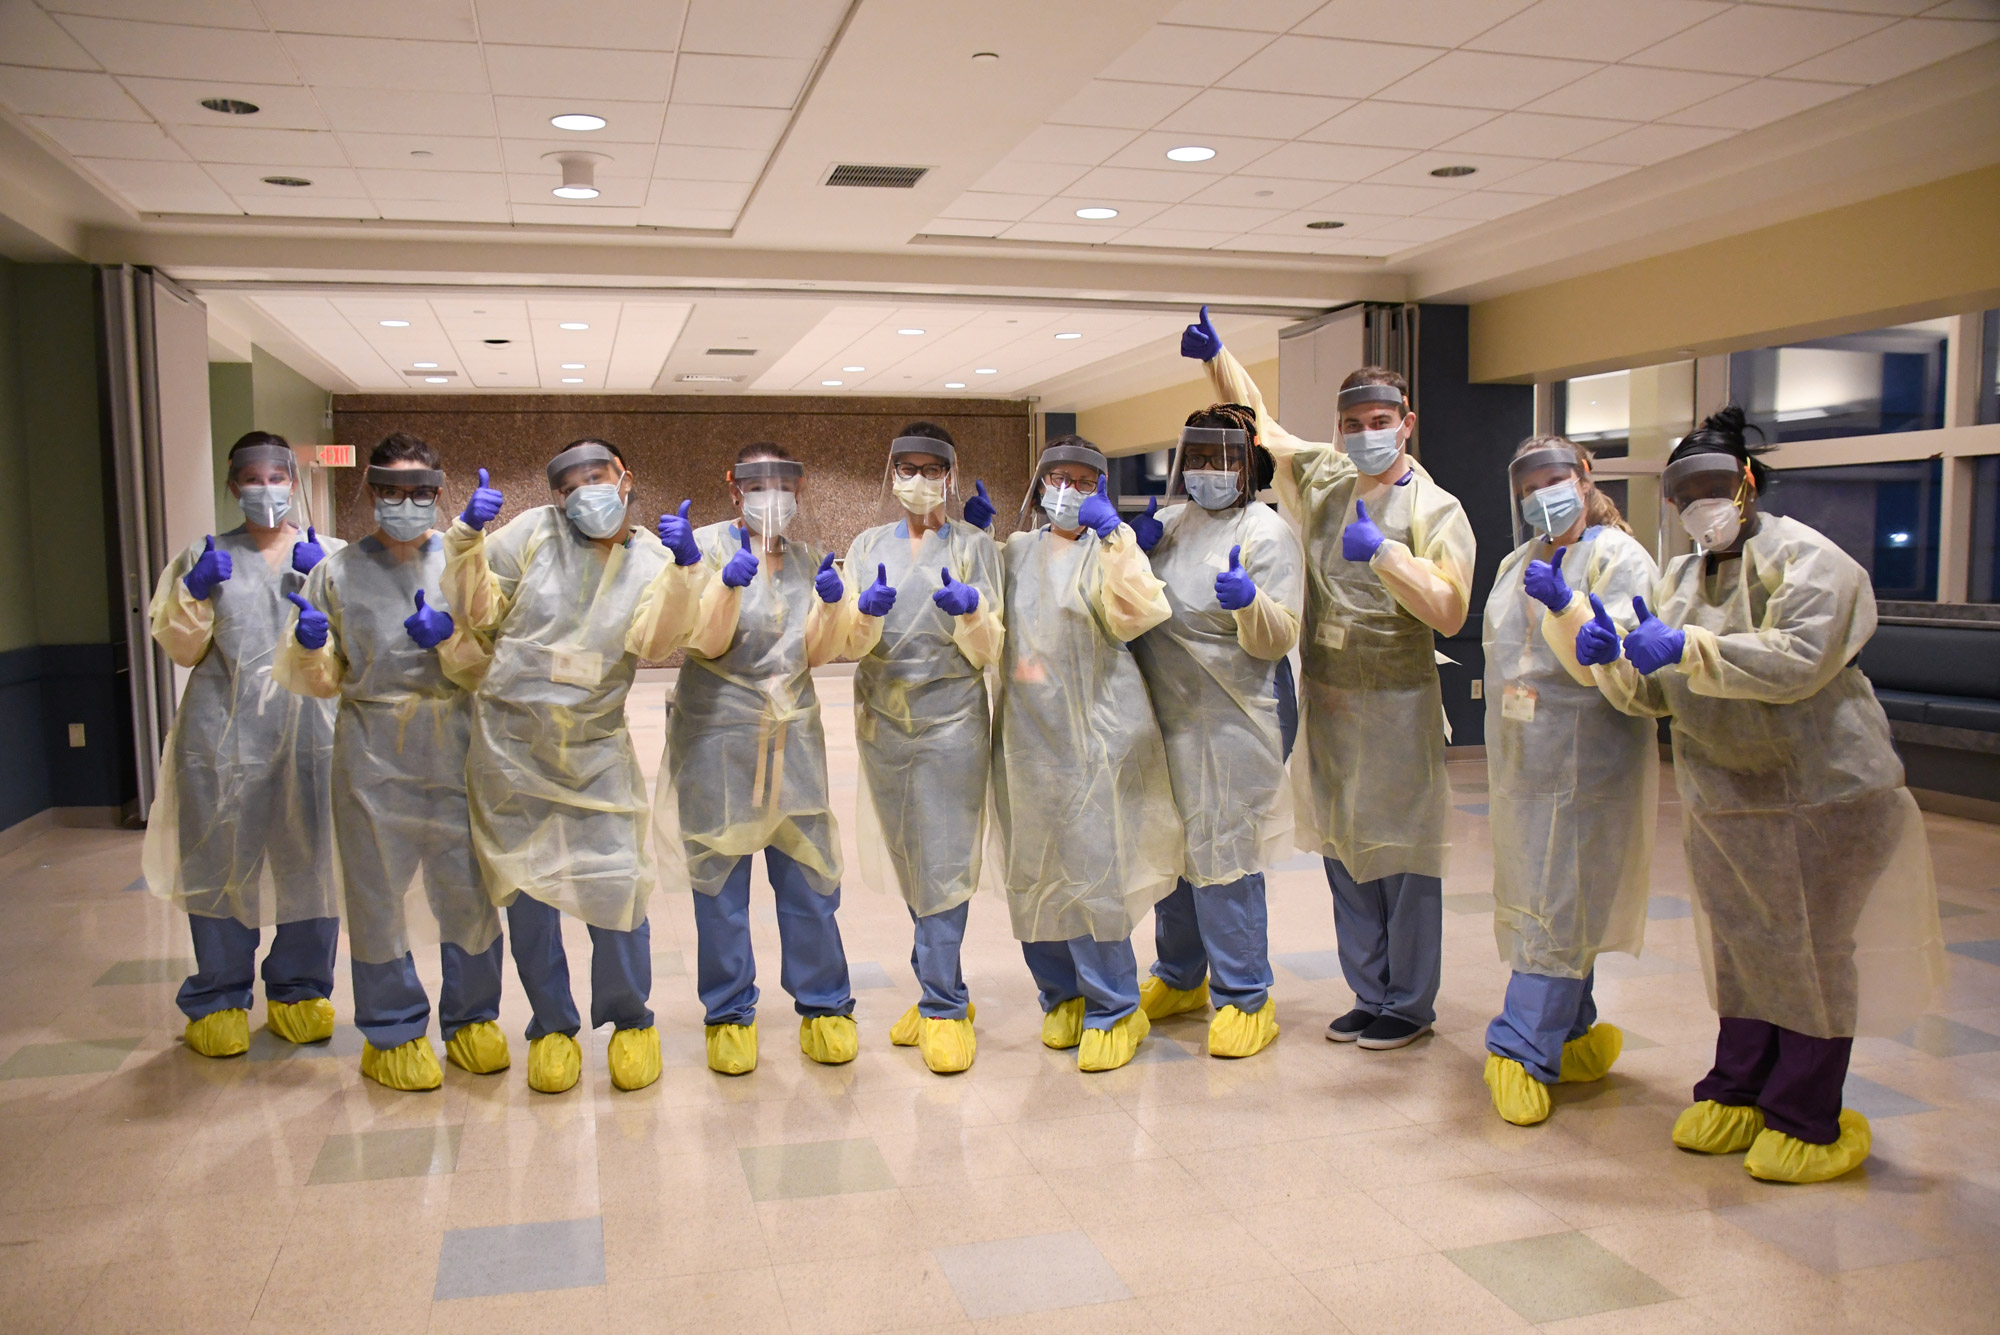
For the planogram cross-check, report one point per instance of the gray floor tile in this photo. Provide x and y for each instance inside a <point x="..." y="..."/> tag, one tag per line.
<point x="1986" y="951"/>
<point x="1469" y="903"/>
<point x="1644" y="966"/>
<point x="521" y="1258"/>
<point x="815" y="1168"/>
<point x="1311" y="965"/>
<point x="867" y="975"/>
<point x="1471" y="808"/>
<point x="1665" y="908"/>
<point x="1947" y="909"/>
<point x="669" y="964"/>
<point x="1832" y="1233"/>
<point x="1034" y="1274"/>
<point x="80" y="1056"/>
<point x="137" y="884"/>
<point x="1558" y="1276"/>
<point x="369" y="1156"/>
<point x="1635" y="1042"/>
<point x="126" y="972"/>
<point x="1940" y="1037"/>
<point x="266" y="1046"/>
<point x="1158" y="1048"/>
<point x="1872" y="1100"/>
<point x="1302" y="862"/>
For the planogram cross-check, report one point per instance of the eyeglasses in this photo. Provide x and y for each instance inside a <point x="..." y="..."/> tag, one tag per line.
<point x="1195" y="461"/>
<point x="421" y="495"/>
<point x="935" y="472"/>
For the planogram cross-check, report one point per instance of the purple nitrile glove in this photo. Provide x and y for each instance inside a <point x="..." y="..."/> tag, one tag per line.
<point x="742" y="567"/>
<point x="428" y="626"/>
<point x="1147" y="529"/>
<point x="979" y="507"/>
<point x="484" y="506"/>
<point x="956" y="597"/>
<point x="311" y="630"/>
<point x="677" y="536"/>
<point x="1544" y="582"/>
<point x="1098" y="512"/>
<point x="1200" y="341"/>
<point x="209" y="569"/>
<point x="1360" y="540"/>
<point x="877" y="598"/>
<point x="307" y="553"/>
<point x="1653" y="644"/>
<point x="1597" y="642"/>
<point x="827" y="582"/>
<point x="1234" y="588"/>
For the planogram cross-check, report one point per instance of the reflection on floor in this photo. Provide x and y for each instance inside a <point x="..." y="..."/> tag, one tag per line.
<point x="1313" y="1187"/>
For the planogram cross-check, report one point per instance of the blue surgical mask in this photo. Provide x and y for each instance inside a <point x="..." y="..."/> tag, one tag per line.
<point x="1212" y="489"/>
<point x="1551" y="510"/>
<point x="405" y="520"/>
<point x="597" y="510"/>
<point x="1062" y="505"/>
<point x="1373" y="452"/>
<point x="265" y="506"/>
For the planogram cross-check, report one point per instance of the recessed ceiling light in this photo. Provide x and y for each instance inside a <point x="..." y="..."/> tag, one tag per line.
<point x="1453" y="171"/>
<point x="852" y="369"/>
<point x="572" y="324"/>
<point x="423" y="366"/>
<point x="986" y="370"/>
<point x="572" y="380"/>
<point x="496" y="341"/>
<point x="572" y="366"/>
<point x="575" y="192"/>
<point x="1190" y="153"/>
<point x="954" y="384"/>
<point x="985" y="55"/>
<point x="1069" y="335"/>
<point x="1097" y="214"/>
<point x="832" y="384"/>
<point x="230" y="106"/>
<point x="909" y="331"/>
<point x="437" y="380"/>
<point x="289" y="182"/>
<point x="394" y="324"/>
<point x="420" y="152"/>
<point x="577" y="120"/>
<point x="1325" y="225"/>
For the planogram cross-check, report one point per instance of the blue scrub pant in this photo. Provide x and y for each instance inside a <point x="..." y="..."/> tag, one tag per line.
<point x="934" y="960"/>
<point x="1539" y="1015"/>
<point x="299" y="967"/>
<point x="1391" y="933"/>
<point x="1104" y="973"/>
<point x="621" y="971"/>
<point x="390" y="1007"/>
<point x="813" y="962"/>
<point x="1218" y="932"/>
<point x="1287" y="692"/>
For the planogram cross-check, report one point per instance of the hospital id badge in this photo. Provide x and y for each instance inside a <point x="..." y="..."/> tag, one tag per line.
<point x="1517" y="702"/>
<point x="1331" y="635"/>
<point x="577" y="667"/>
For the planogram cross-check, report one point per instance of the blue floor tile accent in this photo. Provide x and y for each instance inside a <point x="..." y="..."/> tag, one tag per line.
<point x="867" y="975"/>
<point x="1948" y="1038"/>
<point x="1986" y="951"/>
<point x="1311" y="965"/>
<point x="1472" y="808"/>
<point x="1662" y="908"/>
<point x="521" y="1258"/>
<point x="139" y="884"/>
<point x="1872" y="1100"/>
<point x="266" y="1046"/>
<point x="1947" y="909"/>
<point x="1157" y="1049"/>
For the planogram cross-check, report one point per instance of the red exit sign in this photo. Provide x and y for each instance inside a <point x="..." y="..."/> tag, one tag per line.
<point x="335" y="456"/>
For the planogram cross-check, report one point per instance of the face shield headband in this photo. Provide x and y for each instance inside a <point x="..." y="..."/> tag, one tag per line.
<point x="404" y="477"/>
<point x="1362" y="394"/>
<point x="903" y="445"/>
<point x="765" y="470"/>
<point x="1684" y="470"/>
<point x="265" y="454"/>
<point x="575" y="457"/>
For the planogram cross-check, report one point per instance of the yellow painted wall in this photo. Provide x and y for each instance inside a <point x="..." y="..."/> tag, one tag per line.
<point x="1149" y="421"/>
<point x="1909" y="255"/>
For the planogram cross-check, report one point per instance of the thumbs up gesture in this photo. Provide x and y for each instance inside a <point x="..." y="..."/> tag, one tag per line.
<point x="1098" y="512"/>
<point x="1147" y="529"/>
<point x="827" y="582"/>
<point x="1234" y="588"/>
<point x="209" y="569"/>
<point x="1545" y="584"/>
<point x="1360" y="540"/>
<point x="307" y="553"/>
<point x="428" y="626"/>
<point x="742" y="567"/>
<point x="955" y="597"/>
<point x="1653" y="644"/>
<point x="979" y="507"/>
<point x="484" y="506"/>
<point x="1200" y="341"/>
<point x="877" y="598"/>
<point x="1597" y="642"/>
<point x="311" y="630"/>
<point x="677" y="536"/>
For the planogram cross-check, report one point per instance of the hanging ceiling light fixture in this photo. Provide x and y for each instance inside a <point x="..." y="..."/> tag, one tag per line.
<point x="579" y="175"/>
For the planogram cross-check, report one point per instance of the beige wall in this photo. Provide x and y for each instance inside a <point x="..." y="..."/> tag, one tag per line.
<point x="1149" y="421"/>
<point x="1909" y="255"/>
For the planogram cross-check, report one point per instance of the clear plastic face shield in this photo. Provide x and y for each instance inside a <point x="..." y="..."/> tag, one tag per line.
<point x="405" y="495"/>
<point x="265" y="480"/>
<point x="769" y="496"/>
<point x="1211" y="468"/>
<point x="593" y="488"/>
<point x="1710" y="496"/>
<point x="1375" y="426"/>
<point x="1065" y="477"/>
<point x="920" y="479"/>
<point x="1547" y="490"/>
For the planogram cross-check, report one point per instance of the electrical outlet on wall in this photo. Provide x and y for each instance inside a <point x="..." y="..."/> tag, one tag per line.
<point x="76" y="734"/>
<point x="1478" y="690"/>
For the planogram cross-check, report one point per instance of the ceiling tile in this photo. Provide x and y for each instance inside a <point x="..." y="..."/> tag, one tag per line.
<point x="1952" y="9"/>
<point x="1061" y="232"/>
<point x="1260" y="192"/>
<point x="727" y="196"/>
<point x="579" y="73"/>
<point x="245" y="180"/>
<point x="1488" y="169"/>
<point x="229" y="143"/>
<point x="1531" y="134"/>
<point x="1259" y="115"/>
<point x="1040" y="179"/>
<point x="1083" y="144"/>
<point x="175" y="51"/>
<point x="111" y="139"/>
<point x="1272" y="244"/>
<point x="965" y="227"/>
<point x="1254" y="15"/>
<point x="1418" y="231"/>
<point x="670" y="214"/>
<point x="1898" y="50"/>
<point x="1327" y="162"/>
<point x="313" y="206"/>
<point x="1328" y="67"/>
<point x="1593" y="29"/>
<point x="407" y="111"/>
<point x="30" y="37"/>
<point x="646" y="334"/>
<point x="441" y="153"/>
<point x="439" y="210"/>
<point x="682" y="162"/>
<point x="1165" y="187"/>
<point x="1633" y="93"/>
<point x="1559" y="178"/>
<point x="1483" y="205"/>
<point x="387" y="63"/>
<point x="625" y="122"/>
<point x="71" y="93"/>
<point x="1171" y="54"/>
<point x="1651" y="143"/>
<point x="1231" y="154"/>
<point x="570" y="215"/>
<point x="636" y="25"/>
<point x="1295" y="223"/>
<point x="1396" y="199"/>
<point x="1438" y="22"/>
<point x="442" y="186"/>
<point x="1758" y="39"/>
<point x="740" y="81"/>
<point x="1479" y="79"/>
<point x="435" y="20"/>
<point x="768" y="28"/>
<point x="1759" y="103"/>
<point x="1397" y="125"/>
<point x="162" y="187"/>
<point x="1131" y="106"/>
<point x="201" y="13"/>
<point x="1899" y="8"/>
<point x="179" y="102"/>
<point x="1062" y="209"/>
<point x="723" y="127"/>
<point x="1173" y="238"/>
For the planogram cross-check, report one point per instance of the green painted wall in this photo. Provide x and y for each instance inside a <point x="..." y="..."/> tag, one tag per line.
<point x="231" y="412"/>
<point x="262" y="394"/>
<point x="56" y="351"/>
<point x="17" y="553"/>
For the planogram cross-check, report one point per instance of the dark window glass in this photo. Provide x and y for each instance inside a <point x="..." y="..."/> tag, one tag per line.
<point x="1985" y="581"/>
<point x="1868" y="384"/>
<point x="1134" y="477"/>
<point x="1883" y="515"/>
<point x="1989" y="375"/>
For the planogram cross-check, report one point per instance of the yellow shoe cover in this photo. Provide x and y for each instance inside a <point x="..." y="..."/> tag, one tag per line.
<point x="555" y="1064"/>
<point x="830" y="1040"/>
<point x="1109" y="1049"/>
<point x="1063" y="1027"/>
<point x="410" y="1066"/>
<point x="1237" y="1033"/>
<point x="635" y="1057"/>
<point x="1709" y="1127"/>
<point x="1517" y="1096"/>
<point x="479" y="1048"/>
<point x="220" y="1033"/>
<point x="301" y="1021"/>
<point x="732" y="1048"/>
<point x="948" y="1046"/>
<point x="1159" y="1001"/>
<point x="1589" y="1058"/>
<point x="1777" y="1157"/>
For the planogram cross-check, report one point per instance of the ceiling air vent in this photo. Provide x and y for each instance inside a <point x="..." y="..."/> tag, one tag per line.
<point x="876" y="177"/>
<point x="708" y="379"/>
<point x="732" y="352"/>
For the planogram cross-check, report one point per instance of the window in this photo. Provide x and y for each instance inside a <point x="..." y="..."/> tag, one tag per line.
<point x="1884" y="515"/>
<point x="1984" y="586"/>
<point x="1596" y="410"/>
<point x="1873" y="383"/>
<point x="1989" y="374"/>
<point x="1134" y="477"/>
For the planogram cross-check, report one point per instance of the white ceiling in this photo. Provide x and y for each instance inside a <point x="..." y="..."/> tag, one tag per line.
<point x="1339" y="112"/>
<point x="434" y="111"/>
